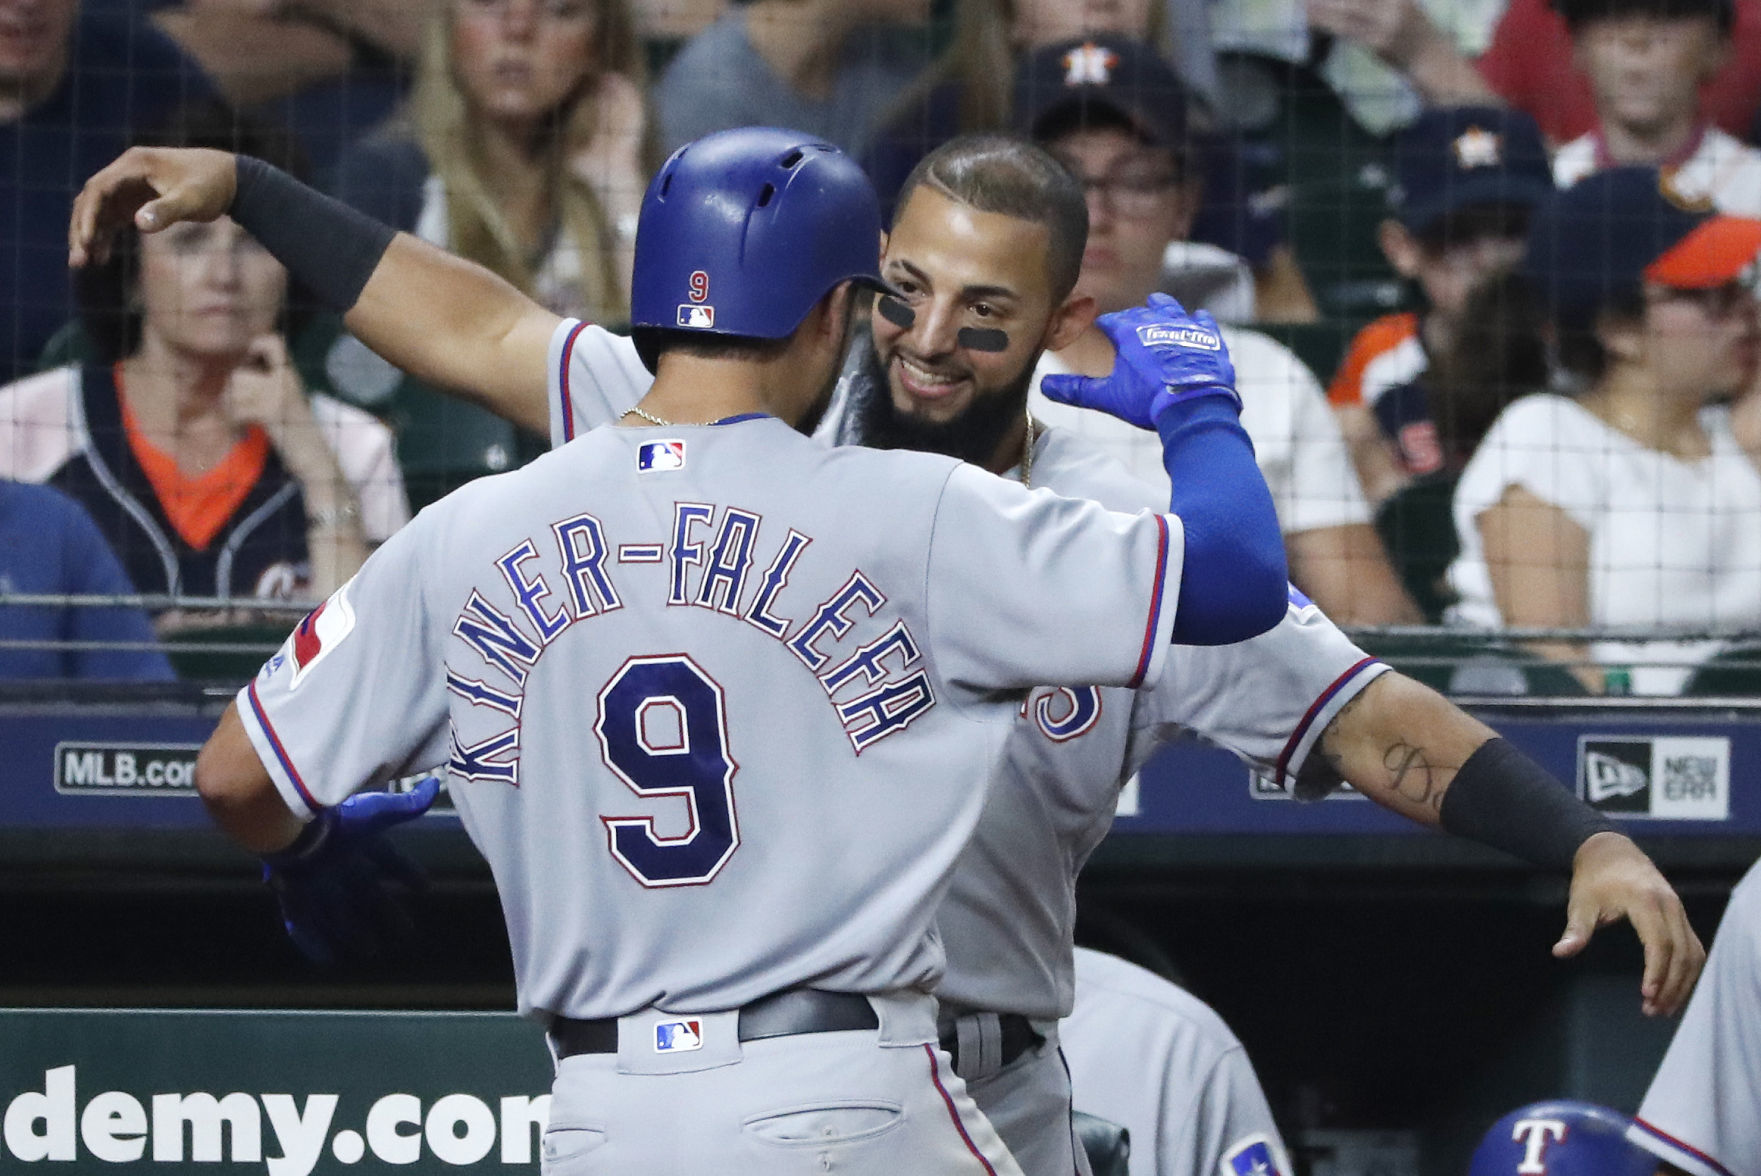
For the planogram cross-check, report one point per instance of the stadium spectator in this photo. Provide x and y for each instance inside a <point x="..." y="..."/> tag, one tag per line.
<point x="526" y="148"/>
<point x="1533" y="38"/>
<point x="673" y="20"/>
<point x="1121" y="130"/>
<point x="827" y="67"/>
<point x="50" y="547"/>
<point x="970" y="89"/>
<point x="73" y="90"/>
<point x="1466" y="181"/>
<point x="1150" y="1056"/>
<point x="191" y="440"/>
<point x="1646" y="61"/>
<point x="1521" y="65"/>
<point x="1629" y="503"/>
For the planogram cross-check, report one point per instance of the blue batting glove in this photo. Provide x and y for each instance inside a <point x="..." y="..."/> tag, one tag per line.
<point x="332" y="882"/>
<point x="1165" y="356"/>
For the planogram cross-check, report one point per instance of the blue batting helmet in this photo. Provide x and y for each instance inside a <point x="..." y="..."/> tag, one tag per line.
<point x="743" y="231"/>
<point x="1562" y="1137"/>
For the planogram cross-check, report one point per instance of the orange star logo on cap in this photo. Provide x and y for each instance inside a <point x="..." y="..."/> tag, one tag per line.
<point x="1089" y="65"/>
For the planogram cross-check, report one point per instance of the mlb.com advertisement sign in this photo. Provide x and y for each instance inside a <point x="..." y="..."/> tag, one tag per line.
<point x="286" y="1094"/>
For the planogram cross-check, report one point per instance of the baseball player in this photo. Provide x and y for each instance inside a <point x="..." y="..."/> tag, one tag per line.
<point x="1703" y="1111"/>
<point x="1147" y="1054"/>
<point x="721" y="749"/>
<point x="984" y="295"/>
<point x="1561" y="1137"/>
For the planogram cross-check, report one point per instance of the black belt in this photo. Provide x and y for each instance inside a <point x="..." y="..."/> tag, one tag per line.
<point x="1018" y="1035"/>
<point x="781" y="1014"/>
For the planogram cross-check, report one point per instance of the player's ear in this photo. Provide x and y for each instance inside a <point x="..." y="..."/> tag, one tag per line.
<point x="1068" y="321"/>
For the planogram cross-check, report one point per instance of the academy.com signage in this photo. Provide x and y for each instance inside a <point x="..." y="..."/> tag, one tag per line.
<point x="286" y="1094"/>
<point x="287" y="1133"/>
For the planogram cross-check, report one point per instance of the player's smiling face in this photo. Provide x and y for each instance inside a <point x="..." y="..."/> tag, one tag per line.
<point x="959" y="268"/>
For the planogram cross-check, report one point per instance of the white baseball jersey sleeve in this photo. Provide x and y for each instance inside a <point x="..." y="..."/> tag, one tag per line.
<point x="595" y="378"/>
<point x="1703" y="1111"/>
<point x="1010" y="916"/>
<point x="707" y="695"/>
<point x="1146" y="1054"/>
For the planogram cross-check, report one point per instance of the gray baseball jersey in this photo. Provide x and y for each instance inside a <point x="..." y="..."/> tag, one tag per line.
<point x="711" y="697"/>
<point x="1009" y="919"/>
<point x="1703" y="1111"/>
<point x="1153" y="1057"/>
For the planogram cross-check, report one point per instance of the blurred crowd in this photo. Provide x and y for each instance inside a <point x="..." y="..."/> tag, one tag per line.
<point x="1486" y="268"/>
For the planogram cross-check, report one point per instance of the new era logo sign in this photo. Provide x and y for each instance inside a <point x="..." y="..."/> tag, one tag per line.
<point x="678" y="1036"/>
<point x="1662" y="777"/>
<point x="698" y="318"/>
<point x="1156" y="335"/>
<point x="656" y="456"/>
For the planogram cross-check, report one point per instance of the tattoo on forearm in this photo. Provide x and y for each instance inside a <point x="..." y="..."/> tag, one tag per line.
<point x="1414" y="777"/>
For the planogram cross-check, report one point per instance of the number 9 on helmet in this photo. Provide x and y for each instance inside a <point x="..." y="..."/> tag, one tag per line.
<point x="743" y="231"/>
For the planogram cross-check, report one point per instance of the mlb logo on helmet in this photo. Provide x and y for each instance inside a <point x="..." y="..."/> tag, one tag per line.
<point x="1255" y="1156"/>
<point x="700" y="318"/>
<point x="1157" y="335"/>
<point x="658" y="456"/>
<point x="678" y="1036"/>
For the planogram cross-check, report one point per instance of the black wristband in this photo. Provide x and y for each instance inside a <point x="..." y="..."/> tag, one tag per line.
<point x="327" y="247"/>
<point x="1504" y="799"/>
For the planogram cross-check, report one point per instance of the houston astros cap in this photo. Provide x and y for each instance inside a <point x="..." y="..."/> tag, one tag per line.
<point x="1078" y="78"/>
<point x="1456" y="157"/>
<point x="1613" y="231"/>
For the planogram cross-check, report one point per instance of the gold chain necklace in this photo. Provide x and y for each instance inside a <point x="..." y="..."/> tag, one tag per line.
<point x="665" y="424"/>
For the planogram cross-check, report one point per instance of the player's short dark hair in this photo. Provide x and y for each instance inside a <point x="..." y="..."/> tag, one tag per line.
<point x="1578" y="13"/>
<point x="105" y="293"/>
<point x="1013" y="177"/>
<point x="653" y="342"/>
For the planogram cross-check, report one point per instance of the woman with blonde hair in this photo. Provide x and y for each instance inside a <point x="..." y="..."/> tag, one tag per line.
<point x="525" y="148"/>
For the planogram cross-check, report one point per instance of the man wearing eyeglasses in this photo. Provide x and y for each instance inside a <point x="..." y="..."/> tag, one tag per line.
<point x="1117" y="117"/>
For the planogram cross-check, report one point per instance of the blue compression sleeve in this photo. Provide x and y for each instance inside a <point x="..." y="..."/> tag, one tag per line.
<point x="1233" y="578"/>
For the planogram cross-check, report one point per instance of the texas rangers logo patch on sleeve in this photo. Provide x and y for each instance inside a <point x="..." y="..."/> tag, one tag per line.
<point x="658" y="456"/>
<point x="1256" y="1155"/>
<point x="678" y="1036"/>
<point x="322" y="631"/>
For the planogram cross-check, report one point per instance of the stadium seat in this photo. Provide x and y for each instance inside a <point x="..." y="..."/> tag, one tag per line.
<point x="1417" y="526"/>
<point x="1337" y="182"/>
<point x="1459" y="663"/>
<point x="442" y="442"/>
<point x="1733" y="673"/>
<point x="230" y="654"/>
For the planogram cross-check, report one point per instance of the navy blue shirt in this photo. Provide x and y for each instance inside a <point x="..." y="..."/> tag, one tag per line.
<point x="50" y="546"/>
<point x="122" y="78"/>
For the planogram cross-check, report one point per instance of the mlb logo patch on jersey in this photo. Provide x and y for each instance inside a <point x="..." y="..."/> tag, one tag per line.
<point x="1256" y="1155"/>
<point x="700" y="318"/>
<point x="658" y="456"/>
<point x="321" y="631"/>
<point x="678" y="1036"/>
